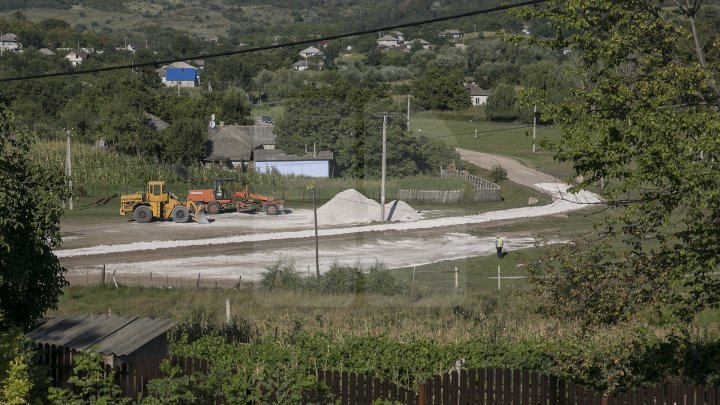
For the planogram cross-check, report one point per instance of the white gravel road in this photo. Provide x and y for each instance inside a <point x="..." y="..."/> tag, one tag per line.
<point x="400" y="252"/>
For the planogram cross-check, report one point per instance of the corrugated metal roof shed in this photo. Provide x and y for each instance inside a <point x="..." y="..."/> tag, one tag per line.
<point x="119" y="335"/>
<point x="134" y="335"/>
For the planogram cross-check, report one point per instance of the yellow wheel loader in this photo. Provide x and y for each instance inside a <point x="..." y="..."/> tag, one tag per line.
<point x="156" y="202"/>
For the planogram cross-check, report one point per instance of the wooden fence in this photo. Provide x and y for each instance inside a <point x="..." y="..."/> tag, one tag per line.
<point x="485" y="190"/>
<point x="431" y="197"/>
<point x="491" y="386"/>
<point x="131" y="377"/>
<point x="355" y="389"/>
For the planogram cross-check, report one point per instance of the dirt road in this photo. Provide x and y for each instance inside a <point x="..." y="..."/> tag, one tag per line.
<point x="517" y="172"/>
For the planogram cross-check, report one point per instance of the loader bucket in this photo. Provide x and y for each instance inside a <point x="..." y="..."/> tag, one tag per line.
<point x="198" y="212"/>
<point x="200" y="217"/>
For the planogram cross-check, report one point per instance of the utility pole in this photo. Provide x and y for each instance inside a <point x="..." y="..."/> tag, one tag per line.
<point x="68" y="169"/>
<point x="1" y="44"/>
<point x="383" y="170"/>
<point x="317" y="243"/>
<point x="408" y="113"/>
<point x="534" y="125"/>
<point x="382" y="181"/>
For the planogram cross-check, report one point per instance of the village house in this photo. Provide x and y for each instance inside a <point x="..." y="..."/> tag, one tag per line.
<point x="478" y="96"/>
<point x="418" y="43"/>
<point x="387" y="41"/>
<point x="306" y="65"/>
<point x="136" y="46"/>
<point x="452" y="34"/>
<point x="310" y="52"/>
<point x="77" y="56"/>
<point x="179" y="74"/>
<point x="9" y="42"/>
<point x="233" y="145"/>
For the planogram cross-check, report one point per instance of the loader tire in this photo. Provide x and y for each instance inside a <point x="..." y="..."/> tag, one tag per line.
<point x="180" y="215"/>
<point x="213" y="208"/>
<point x="271" y="209"/>
<point x="142" y="214"/>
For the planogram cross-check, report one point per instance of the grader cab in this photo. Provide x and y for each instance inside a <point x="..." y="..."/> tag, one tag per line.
<point x="157" y="202"/>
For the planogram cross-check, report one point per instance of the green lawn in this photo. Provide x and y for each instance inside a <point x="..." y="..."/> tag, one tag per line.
<point x="501" y="138"/>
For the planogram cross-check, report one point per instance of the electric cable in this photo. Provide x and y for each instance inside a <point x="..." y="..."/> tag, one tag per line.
<point x="278" y="46"/>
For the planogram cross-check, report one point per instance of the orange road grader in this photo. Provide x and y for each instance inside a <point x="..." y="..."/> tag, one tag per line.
<point x="158" y="203"/>
<point x="223" y="197"/>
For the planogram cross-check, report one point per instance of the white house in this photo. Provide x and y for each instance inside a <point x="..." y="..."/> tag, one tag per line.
<point x="135" y="46"/>
<point x="399" y="35"/>
<point x="77" y="56"/>
<point x="478" y="96"/>
<point x="9" y="42"/>
<point x="387" y="41"/>
<point x="309" y="52"/>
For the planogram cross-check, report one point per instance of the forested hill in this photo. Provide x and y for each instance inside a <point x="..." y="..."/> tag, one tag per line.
<point x="211" y="18"/>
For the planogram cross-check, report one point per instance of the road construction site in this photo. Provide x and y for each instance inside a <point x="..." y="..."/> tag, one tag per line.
<point x="237" y="245"/>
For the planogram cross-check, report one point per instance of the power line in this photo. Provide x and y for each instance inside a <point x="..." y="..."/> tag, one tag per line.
<point x="278" y="46"/>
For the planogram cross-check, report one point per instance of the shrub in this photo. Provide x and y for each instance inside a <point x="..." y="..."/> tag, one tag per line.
<point x="380" y="280"/>
<point x="342" y="280"/>
<point x="498" y="173"/>
<point x="282" y="275"/>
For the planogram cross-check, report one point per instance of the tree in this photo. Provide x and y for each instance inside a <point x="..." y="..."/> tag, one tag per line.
<point x="231" y="106"/>
<point x="643" y="117"/>
<point x="502" y="103"/>
<point x="31" y="278"/>
<point x="185" y="141"/>
<point x="440" y="89"/>
<point x="346" y="119"/>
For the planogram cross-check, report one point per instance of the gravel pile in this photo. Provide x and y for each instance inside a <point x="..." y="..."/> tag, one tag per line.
<point x="351" y="207"/>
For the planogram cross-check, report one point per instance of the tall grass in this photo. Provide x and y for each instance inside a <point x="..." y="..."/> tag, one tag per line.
<point x="100" y="173"/>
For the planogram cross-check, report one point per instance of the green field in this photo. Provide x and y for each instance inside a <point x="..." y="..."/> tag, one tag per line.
<point x="506" y="139"/>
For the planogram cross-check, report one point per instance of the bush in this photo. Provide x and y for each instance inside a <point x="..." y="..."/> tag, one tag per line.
<point x="282" y="275"/>
<point x="380" y="280"/>
<point x="498" y="173"/>
<point x="340" y="279"/>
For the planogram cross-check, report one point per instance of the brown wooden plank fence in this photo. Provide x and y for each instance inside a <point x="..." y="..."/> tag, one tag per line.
<point x="491" y="386"/>
<point x="431" y="196"/>
<point x="485" y="190"/>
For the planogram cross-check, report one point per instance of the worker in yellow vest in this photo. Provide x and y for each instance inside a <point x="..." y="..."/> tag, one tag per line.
<point x="499" y="246"/>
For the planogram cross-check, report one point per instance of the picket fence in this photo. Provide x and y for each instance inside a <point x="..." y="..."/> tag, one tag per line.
<point x="490" y="386"/>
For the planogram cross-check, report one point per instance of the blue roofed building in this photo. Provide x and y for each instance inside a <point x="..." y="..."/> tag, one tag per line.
<point x="179" y="74"/>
